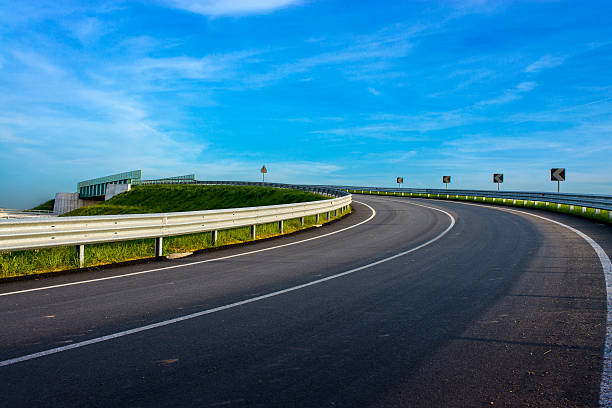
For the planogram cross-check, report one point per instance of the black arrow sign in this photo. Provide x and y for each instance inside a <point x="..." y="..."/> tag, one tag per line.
<point x="557" y="174"/>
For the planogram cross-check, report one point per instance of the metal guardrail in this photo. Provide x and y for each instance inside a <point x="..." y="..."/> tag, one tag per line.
<point x="78" y="231"/>
<point x="10" y="214"/>
<point x="602" y="202"/>
<point x="36" y="212"/>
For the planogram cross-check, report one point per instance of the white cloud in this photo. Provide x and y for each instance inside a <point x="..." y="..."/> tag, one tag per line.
<point x="393" y="157"/>
<point x="230" y="7"/>
<point x="509" y="95"/>
<point x="545" y="62"/>
<point x="373" y="91"/>
<point x="213" y="68"/>
<point x="88" y="29"/>
<point x="58" y="123"/>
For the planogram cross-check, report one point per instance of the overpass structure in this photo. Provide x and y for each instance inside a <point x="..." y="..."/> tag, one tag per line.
<point x="97" y="187"/>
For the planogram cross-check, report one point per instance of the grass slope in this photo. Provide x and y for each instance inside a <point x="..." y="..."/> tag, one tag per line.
<point x="173" y="198"/>
<point x="47" y="205"/>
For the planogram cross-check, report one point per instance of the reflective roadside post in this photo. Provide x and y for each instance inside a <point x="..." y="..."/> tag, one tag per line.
<point x="557" y="175"/>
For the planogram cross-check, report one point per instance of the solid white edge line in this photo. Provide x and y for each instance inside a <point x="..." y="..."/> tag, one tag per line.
<point x="193" y="263"/>
<point x="231" y="305"/>
<point x="605" y="388"/>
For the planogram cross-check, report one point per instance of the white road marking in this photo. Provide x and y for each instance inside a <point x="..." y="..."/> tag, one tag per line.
<point x="605" y="388"/>
<point x="192" y="263"/>
<point x="231" y="305"/>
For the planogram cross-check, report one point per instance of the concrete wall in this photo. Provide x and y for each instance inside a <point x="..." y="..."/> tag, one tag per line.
<point x="65" y="202"/>
<point x="114" y="189"/>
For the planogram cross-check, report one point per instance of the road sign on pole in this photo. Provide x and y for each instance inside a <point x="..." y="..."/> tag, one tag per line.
<point x="263" y="173"/>
<point x="446" y="180"/>
<point x="498" y="178"/>
<point x="557" y="175"/>
<point x="400" y="180"/>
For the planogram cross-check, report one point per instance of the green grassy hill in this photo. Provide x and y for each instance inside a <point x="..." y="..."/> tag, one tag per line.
<point x="47" y="205"/>
<point x="172" y="198"/>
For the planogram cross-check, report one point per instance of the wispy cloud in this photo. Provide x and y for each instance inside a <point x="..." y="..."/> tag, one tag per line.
<point x="373" y="91"/>
<point x="87" y="30"/>
<point x="229" y="7"/>
<point x="394" y="156"/>
<point x="403" y="127"/>
<point x="545" y="62"/>
<point x="79" y="126"/>
<point x="215" y="68"/>
<point x="509" y="95"/>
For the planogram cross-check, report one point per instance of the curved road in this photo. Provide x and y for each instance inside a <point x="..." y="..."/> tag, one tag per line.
<point x="502" y="309"/>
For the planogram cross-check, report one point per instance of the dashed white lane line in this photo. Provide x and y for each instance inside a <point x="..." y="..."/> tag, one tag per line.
<point x="125" y="275"/>
<point x="605" y="388"/>
<point x="231" y="305"/>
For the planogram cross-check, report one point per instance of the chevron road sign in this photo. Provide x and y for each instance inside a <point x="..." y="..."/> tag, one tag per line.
<point x="446" y="180"/>
<point x="557" y="175"/>
<point x="498" y="178"/>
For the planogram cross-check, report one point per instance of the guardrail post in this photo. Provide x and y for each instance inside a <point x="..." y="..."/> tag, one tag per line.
<point x="335" y="213"/>
<point x="213" y="236"/>
<point x="302" y="221"/>
<point x="281" y="227"/>
<point x="253" y="232"/>
<point x="328" y="216"/>
<point x="80" y="254"/>
<point x="159" y="246"/>
<point x="316" y="218"/>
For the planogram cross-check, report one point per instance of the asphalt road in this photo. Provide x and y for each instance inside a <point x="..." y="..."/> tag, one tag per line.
<point x="503" y="309"/>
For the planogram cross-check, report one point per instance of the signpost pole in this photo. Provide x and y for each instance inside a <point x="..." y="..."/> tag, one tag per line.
<point x="558" y="183"/>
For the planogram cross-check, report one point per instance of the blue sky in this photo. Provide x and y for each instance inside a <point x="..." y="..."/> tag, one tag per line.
<point x="321" y="91"/>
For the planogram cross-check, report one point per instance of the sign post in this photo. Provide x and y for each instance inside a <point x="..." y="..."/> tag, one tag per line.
<point x="263" y="173"/>
<point x="498" y="178"/>
<point x="557" y="175"/>
<point x="446" y="180"/>
<point x="400" y="180"/>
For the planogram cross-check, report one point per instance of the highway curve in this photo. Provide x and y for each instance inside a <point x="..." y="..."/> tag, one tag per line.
<point x="502" y="309"/>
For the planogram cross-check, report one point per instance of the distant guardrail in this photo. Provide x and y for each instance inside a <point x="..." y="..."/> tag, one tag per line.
<point x="602" y="202"/>
<point x="78" y="231"/>
<point x="594" y="207"/>
<point x="10" y="213"/>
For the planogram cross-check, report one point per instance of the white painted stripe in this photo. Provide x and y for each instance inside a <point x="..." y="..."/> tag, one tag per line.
<point x="231" y="305"/>
<point x="605" y="389"/>
<point x="192" y="263"/>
